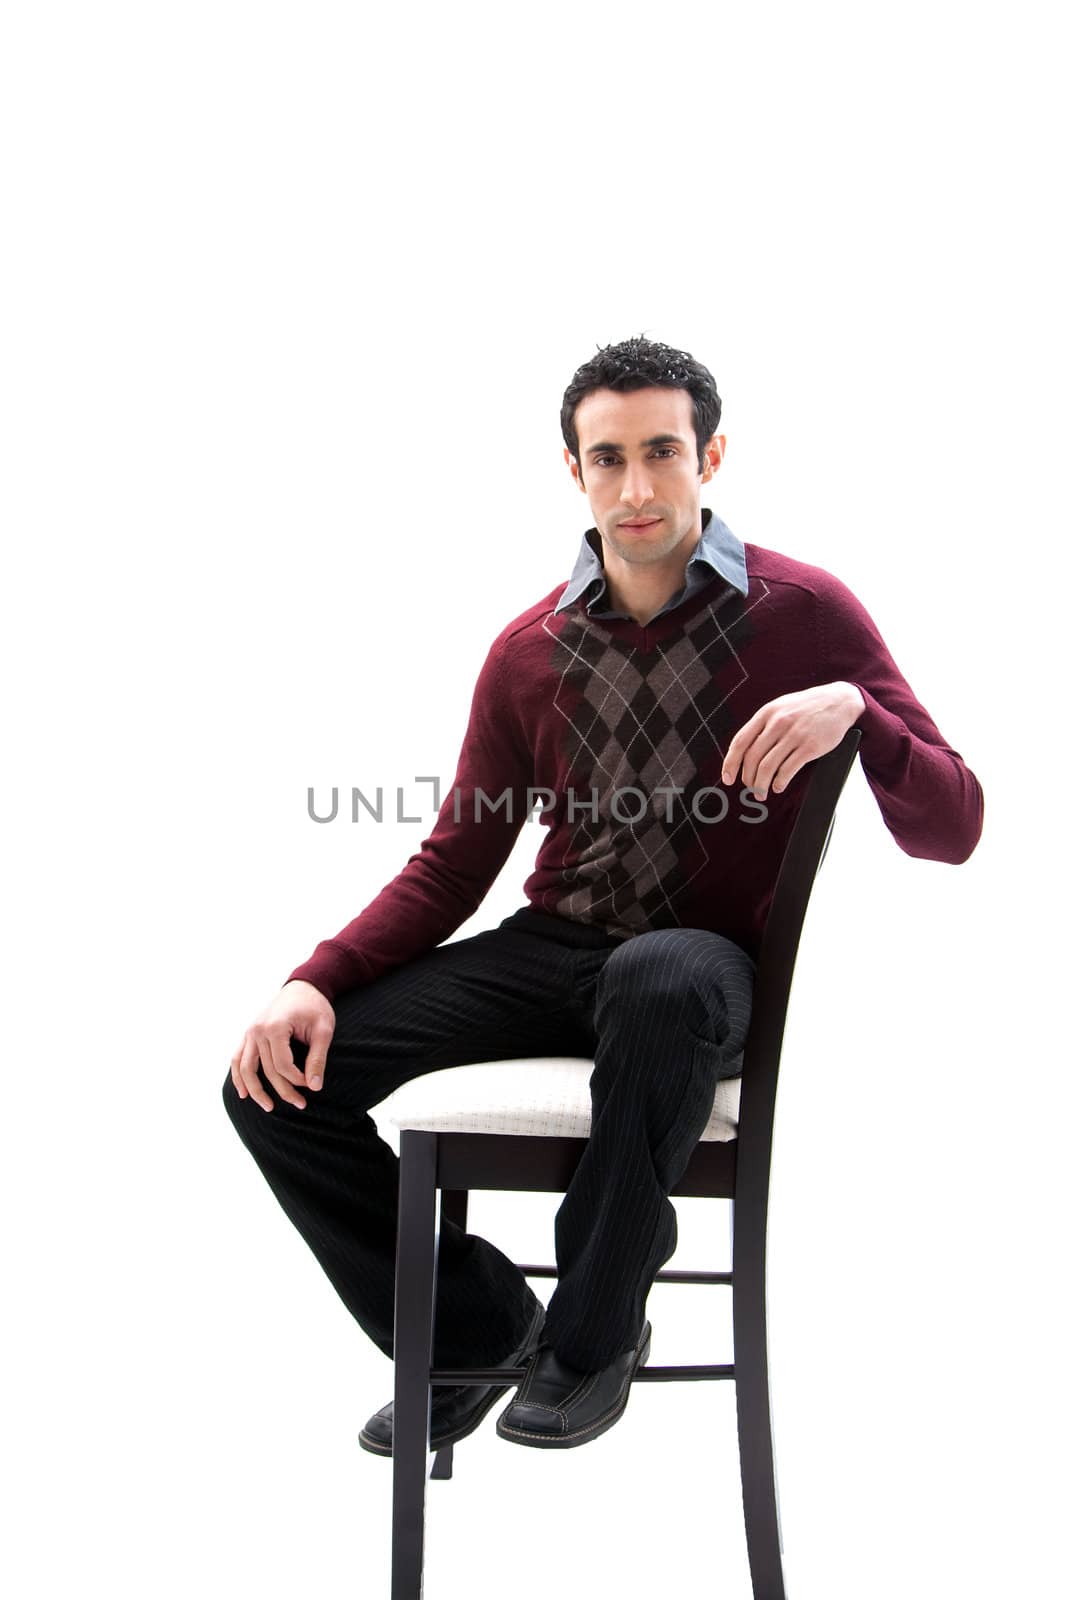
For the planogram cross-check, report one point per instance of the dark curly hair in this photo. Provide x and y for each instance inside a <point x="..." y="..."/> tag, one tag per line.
<point x="639" y="363"/>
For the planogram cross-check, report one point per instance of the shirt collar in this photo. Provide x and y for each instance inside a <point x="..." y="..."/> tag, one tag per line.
<point x="717" y="548"/>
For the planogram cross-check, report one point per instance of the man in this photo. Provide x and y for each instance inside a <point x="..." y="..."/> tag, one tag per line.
<point x="662" y="707"/>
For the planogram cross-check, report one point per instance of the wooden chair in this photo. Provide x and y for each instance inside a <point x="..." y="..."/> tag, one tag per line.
<point x="735" y="1166"/>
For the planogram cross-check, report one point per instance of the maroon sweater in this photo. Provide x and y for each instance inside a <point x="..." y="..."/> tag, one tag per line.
<point x="626" y="727"/>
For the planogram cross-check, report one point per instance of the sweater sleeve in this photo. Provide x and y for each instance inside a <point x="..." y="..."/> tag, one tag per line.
<point x="454" y="868"/>
<point x="930" y="800"/>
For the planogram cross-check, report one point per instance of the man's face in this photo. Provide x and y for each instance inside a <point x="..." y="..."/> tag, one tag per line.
<point x="637" y="453"/>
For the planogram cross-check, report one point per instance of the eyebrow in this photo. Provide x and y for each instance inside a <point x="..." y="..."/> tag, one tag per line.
<point x="646" y="444"/>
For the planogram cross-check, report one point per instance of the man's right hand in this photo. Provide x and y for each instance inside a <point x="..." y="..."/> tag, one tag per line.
<point x="300" y="1011"/>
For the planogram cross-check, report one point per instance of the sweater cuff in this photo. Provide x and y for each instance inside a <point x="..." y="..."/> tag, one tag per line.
<point x="332" y="968"/>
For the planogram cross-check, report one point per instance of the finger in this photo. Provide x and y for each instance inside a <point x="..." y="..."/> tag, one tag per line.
<point x="275" y="1078"/>
<point x="757" y="754"/>
<point x="249" y="1070"/>
<point x="739" y="746"/>
<point x="235" y="1072"/>
<point x="321" y="1034"/>
<point x="789" y="768"/>
<point x="769" y="766"/>
<point x="284" y="1090"/>
<point x="765" y="732"/>
<point x="277" y="1037"/>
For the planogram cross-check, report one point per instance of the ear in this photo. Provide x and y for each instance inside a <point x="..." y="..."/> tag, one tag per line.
<point x="714" y="451"/>
<point x="572" y="463"/>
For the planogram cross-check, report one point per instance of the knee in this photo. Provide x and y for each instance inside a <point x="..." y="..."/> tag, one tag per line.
<point x="673" y="977"/>
<point x="257" y="1129"/>
<point x="237" y="1109"/>
<point x="648" y="967"/>
<point x="231" y="1099"/>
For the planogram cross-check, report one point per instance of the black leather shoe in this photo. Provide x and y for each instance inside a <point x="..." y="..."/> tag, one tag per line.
<point x="455" y="1410"/>
<point x="557" y="1407"/>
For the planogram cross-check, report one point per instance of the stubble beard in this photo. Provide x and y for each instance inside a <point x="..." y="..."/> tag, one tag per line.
<point x="638" y="552"/>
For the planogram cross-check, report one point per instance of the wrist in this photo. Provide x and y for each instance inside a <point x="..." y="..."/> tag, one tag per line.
<point x="855" y="701"/>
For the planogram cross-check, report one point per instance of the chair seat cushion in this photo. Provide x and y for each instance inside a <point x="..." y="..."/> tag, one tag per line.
<point x="533" y="1095"/>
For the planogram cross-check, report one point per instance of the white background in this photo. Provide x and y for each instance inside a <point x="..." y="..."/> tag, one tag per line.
<point x="292" y="294"/>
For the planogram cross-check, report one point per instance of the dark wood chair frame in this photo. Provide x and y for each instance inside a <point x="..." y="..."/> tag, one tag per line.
<point x="737" y="1170"/>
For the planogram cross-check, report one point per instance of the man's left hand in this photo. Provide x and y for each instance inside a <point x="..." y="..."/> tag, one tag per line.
<point x="788" y="732"/>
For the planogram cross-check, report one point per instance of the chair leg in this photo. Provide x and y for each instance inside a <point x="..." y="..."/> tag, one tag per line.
<point x="755" y="1434"/>
<point x="454" y="1208"/>
<point x="416" y="1278"/>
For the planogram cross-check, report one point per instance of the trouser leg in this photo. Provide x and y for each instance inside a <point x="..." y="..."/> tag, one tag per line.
<point x="671" y="1011"/>
<point x="502" y="994"/>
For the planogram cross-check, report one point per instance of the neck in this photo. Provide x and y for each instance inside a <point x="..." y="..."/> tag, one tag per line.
<point x="641" y="591"/>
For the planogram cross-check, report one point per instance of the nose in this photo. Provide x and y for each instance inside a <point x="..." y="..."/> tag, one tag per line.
<point x="637" y="490"/>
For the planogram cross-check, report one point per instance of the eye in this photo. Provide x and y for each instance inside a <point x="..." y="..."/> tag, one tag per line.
<point x="663" y="449"/>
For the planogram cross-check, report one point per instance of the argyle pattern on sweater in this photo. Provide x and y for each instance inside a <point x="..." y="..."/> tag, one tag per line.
<point x="637" y="732"/>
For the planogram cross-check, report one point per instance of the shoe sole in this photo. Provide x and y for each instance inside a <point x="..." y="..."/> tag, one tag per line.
<point x="438" y="1441"/>
<point x="592" y="1430"/>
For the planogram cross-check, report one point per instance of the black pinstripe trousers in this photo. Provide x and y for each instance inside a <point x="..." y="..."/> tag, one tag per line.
<point x="663" y="1014"/>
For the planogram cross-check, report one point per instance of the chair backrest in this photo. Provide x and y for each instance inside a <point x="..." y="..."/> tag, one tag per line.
<point x="777" y="958"/>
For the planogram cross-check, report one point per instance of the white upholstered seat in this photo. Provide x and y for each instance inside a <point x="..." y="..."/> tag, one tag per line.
<point x="533" y="1095"/>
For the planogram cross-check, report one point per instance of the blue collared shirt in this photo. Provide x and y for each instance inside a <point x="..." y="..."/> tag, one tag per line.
<point x="717" y="551"/>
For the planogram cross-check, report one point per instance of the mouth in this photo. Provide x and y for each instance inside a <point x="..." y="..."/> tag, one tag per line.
<point x="639" y="524"/>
